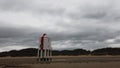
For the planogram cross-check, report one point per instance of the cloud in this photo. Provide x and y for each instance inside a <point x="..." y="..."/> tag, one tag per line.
<point x="87" y="24"/>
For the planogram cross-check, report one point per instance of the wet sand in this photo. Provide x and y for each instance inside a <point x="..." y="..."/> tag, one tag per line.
<point x="62" y="62"/>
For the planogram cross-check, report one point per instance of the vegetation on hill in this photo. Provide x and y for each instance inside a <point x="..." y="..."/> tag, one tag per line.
<point x="106" y="51"/>
<point x="75" y="52"/>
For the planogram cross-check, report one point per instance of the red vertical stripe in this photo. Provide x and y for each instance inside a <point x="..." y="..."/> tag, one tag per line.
<point x="42" y="42"/>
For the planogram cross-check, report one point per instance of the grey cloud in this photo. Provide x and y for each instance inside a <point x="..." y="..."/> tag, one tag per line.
<point x="80" y="28"/>
<point x="90" y="34"/>
<point x="32" y="39"/>
<point x="14" y="35"/>
<point x="90" y="13"/>
<point x="95" y="13"/>
<point x="12" y="5"/>
<point x="88" y="31"/>
<point x="116" y="41"/>
<point x="29" y="6"/>
<point x="105" y="13"/>
<point x="10" y="32"/>
<point x="74" y="44"/>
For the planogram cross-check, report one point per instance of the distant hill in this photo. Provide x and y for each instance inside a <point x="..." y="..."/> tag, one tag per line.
<point x="106" y="51"/>
<point x="23" y="52"/>
<point x="71" y="52"/>
<point x="33" y="52"/>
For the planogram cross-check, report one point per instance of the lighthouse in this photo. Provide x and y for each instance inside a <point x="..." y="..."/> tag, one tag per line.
<point x="44" y="49"/>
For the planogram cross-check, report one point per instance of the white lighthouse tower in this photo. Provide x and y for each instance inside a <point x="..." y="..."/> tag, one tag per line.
<point x="45" y="49"/>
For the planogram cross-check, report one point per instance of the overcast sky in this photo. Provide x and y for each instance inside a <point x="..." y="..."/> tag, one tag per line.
<point x="71" y="24"/>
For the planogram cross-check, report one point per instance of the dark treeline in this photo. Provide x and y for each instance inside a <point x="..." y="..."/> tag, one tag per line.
<point x="23" y="52"/>
<point x="106" y="51"/>
<point x="75" y="52"/>
<point x="71" y="52"/>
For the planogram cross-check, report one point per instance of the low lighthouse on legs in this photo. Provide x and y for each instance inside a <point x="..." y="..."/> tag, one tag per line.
<point x="44" y="49"/>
